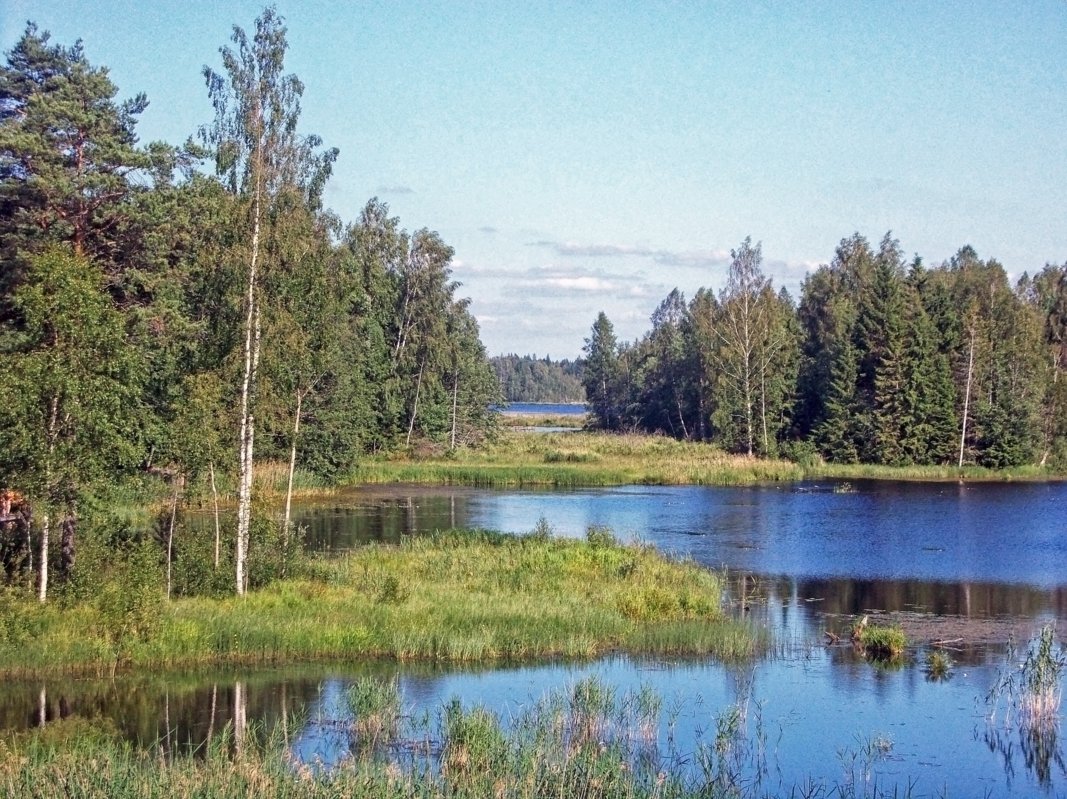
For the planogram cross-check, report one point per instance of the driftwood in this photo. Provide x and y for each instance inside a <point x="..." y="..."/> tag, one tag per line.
<point x="831" y="638"/>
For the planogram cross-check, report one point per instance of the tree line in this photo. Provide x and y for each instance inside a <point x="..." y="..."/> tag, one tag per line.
<point x="527" y="378"/>
<point x="883" y="360"/>
<point x="191" y="310"/>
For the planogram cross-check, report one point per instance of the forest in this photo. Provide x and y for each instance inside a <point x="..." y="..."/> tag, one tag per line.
<point x="187" y="311"/>
<point x="527" y="378"/>
<point x="883" y="360"/>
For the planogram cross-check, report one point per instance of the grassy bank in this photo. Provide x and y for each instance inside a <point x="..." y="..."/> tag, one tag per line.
<point x="563" y="460"/>
<point x="453" y="597"/>
<point x="579" y="459"/>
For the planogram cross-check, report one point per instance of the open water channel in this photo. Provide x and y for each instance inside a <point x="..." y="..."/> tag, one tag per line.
<point x="969" y="563"/>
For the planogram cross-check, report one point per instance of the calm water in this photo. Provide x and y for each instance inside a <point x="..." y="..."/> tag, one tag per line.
<point x="550" y="408"/>
<point x="816" y="557"/>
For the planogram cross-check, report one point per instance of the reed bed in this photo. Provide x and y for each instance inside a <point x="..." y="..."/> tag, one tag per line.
<point x="585" y="740"/>
<point x="452" y="597"/>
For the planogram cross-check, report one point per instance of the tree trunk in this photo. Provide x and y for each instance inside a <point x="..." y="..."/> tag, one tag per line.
<point x="170" y="535"/>
<point x="248" y="384"/>
<point x="967" y="397"/>
<point x="415" y="408"/>
<point x="289" y="487"/>
<point x="215" y="500"/>
<point x="42" y="585"/>
<point x="455" y="394"/>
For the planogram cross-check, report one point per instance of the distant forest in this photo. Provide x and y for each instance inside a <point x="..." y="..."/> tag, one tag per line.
<point x="883" y="360"/>
<point x="527" y="378"/>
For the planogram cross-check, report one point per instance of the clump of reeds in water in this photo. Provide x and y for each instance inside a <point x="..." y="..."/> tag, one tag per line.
<point x="1031" y="692"/>
<point x="1041" y="675"/>
<point x="938" y="665"/>
<point x="375" y="703"/>
<point x="879" y="642"/>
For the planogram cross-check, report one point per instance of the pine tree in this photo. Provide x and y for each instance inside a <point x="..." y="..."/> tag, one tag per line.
<point x="601" y="376"/>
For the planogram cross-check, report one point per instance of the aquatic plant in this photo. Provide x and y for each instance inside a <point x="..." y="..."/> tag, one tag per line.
<point x="879" y="641"/>
<point x="1030" y="691"/>
<point x="375" y="704"/>
<point x="938" y="665"/>
<point x="1041" y="674"/>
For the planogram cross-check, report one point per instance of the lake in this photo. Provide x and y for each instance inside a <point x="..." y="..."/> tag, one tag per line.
<point x="807" y="557"/>
<point x="546" y="408"/>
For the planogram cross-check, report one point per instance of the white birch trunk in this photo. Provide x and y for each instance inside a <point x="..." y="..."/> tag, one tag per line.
<point x="42" y="585"/>
<point x="455" y="394"/>
<point x="967" y="398"/>
<point x="215" y="500"/>
<point x="289" y="487"/>
<point x="415" y="409"/>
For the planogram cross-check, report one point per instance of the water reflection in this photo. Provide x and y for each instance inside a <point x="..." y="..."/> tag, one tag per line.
<point x="802" y="561"/>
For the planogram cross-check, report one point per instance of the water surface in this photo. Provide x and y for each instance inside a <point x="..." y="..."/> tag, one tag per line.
<point x="808" y="558"/>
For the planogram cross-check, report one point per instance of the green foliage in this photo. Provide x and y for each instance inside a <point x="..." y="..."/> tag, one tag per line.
<point x="527" y="378"/>
<point x="601" y="374"/>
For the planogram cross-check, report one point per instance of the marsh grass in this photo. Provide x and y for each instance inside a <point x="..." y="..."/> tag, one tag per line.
<point x="880" y="642"/>
<point x="571" y="421"/>
<point x="574" y="459"/>
<point x="451" y="597"/>
<point x="580" y="459"/>
<point x="588" y="739"/>
<point x="1031" y="692"/>
<point x="375" y="704"/>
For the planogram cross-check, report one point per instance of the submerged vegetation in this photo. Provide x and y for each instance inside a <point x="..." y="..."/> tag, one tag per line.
<point x="451" y="597"/>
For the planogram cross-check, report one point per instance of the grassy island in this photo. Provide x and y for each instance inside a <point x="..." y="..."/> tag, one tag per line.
<point x="451" y="597"/>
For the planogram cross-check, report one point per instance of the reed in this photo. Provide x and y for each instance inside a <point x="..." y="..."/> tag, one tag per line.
<point x="878" y="641"/>
<point x="452" y="597"/>
<point x="588" y="739"/>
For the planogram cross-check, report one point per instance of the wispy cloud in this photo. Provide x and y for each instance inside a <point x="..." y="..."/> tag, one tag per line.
<point x="488" y="230"/>
<point x="401" y="189"/>
<point x="694" y="259"/>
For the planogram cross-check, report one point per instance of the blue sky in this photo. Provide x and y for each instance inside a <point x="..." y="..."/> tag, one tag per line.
<point x="592" y="156"/>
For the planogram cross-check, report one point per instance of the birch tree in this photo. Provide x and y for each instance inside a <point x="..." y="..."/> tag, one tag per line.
<point x="70" y="399"/>
<point x="748" y="341"/>
<point x="261" y="158"/>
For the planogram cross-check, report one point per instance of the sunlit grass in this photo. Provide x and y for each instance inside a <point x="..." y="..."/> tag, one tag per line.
<point x="574" y="459"/>
<point x="452" y="597"/>
<point x="580" y="459"/>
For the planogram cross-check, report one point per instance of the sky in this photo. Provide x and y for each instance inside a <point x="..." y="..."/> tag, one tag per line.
<point x="591" y="156"/>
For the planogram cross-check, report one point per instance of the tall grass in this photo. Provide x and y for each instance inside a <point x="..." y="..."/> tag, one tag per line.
<point x="451" y="597"/>
<point x="587" y="740"/>
<point x="1031" y="692"/>
<point x="580" y="459"/>
<point x="563" y="460"/>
